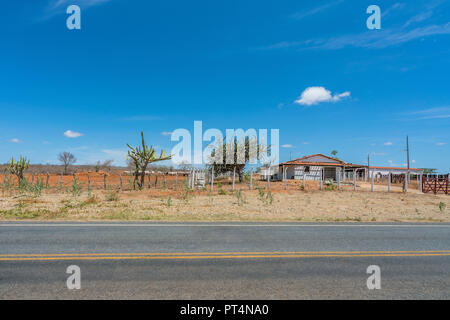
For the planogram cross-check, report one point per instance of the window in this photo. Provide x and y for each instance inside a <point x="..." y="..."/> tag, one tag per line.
<point x="307" y="169"/>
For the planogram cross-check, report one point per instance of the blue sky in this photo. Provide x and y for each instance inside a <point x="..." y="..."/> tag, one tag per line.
<point x="159" y="65"/>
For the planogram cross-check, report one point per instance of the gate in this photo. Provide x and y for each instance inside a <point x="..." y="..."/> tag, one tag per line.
<point x="435" y="185"/>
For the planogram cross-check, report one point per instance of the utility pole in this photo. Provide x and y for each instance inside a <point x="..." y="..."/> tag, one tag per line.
<point x="368" y="166"/>
<point x="290" y="155"/>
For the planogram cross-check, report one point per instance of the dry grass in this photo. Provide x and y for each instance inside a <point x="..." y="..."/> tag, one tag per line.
<point x="226" y="205"/>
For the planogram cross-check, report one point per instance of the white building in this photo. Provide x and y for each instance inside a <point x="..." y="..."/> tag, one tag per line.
<point x="317" y="166"/>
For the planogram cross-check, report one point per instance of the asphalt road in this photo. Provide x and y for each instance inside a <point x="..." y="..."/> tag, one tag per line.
<point x="224" y="260"/>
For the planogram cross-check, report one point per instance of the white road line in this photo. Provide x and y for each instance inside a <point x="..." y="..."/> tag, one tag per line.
<point x="35" y="225"/>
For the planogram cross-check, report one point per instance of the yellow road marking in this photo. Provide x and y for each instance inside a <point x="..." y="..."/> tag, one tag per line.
<point x="212" y="253"/>
<point x="224" y="255"/>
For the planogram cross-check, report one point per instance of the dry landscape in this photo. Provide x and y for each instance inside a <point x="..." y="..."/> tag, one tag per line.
<point x="164" y="203"/>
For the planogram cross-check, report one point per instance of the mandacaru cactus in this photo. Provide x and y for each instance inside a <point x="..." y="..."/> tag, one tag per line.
<point x="18" y="167"/>
<point x="142" y="157"/>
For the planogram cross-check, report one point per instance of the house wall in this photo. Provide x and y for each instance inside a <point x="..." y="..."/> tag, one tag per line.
<point x="296" y="173"/>
<point x="299" y="172"/>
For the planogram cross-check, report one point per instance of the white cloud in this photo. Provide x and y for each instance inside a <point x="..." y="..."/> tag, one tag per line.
<point x="15" y="140"/>
<point x="431" y="113"/>
<point x="305" y="142"/>
<point x="440" y="143"/>
<point x="388" y="143"/>
<point x="373" y="40"/>
<point x="287" y="146"/>
<point x="72" y="134"/>
<point x="315" y="95"/>
<point x="55" y="7"/>
<point x="413" y="161"/>
<point x="301" y="15"/>
<point x="166" y="133"/>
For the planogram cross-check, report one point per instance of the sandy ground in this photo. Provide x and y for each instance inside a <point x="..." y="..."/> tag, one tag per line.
<point x="223" y="204"/>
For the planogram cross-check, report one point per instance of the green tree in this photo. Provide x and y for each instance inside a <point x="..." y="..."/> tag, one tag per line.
<point x="334" y="153"/>
<point x="251" y="151"/>
<point x="142" y="156"/>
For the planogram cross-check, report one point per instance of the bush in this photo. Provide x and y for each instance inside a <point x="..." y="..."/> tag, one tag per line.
<point x="76" y="187"/>
<point x="112" y="195"/>
<point x="240" y="198"/>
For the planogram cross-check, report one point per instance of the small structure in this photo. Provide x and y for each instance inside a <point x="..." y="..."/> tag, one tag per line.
<point x="381" y="172"/>
<point x="316" y="167"/>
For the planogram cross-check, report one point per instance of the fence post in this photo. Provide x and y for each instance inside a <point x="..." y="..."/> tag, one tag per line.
<point x="268" y="181"/>
<point x="104" y="181"/>
<point x="47" y="182"/>
<point x="89" y="180"/>
<point x="435" y="184"/>
<point x="120" y="177"/>
<point x="251" y="179"/>
<point x="371" y="181"/>
<point x="354" y="180"/>
<point x="420" y="183"/>
<point x="32" y="178"/>
<point x="176" y="180"/>
<point x="234" y="176"/>
<point x="389" y="181"/>
<point x="321" y="178"/>
<point x="285" y="177"/>
<point x="339" y="179"/>
<point x="446" y="186"/>
<point x="156" y="180"/>
<point x="189" y="183"/>
<point x="212" y="178"/>
<point x="406" y="183"/>
<point x="303" y="181"/>
<point x="165" y="180"/>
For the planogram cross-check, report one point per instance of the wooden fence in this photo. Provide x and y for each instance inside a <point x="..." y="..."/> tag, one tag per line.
<point x="435" y="184"/>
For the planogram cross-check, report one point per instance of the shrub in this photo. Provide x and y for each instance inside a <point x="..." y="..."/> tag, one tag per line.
<point x="269" y="197"/>
<point x="112" y="195"/>
<point x="240" y="198"/>
<point x="38" y="187"/>
<point x="7" y="183"/>
<point x="442" y="206"/>
<point x="76" y="187"/>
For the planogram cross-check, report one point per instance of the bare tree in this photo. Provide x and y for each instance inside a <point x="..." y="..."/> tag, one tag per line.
<point x="106" y="165"/>
<point x="67" y="159"/>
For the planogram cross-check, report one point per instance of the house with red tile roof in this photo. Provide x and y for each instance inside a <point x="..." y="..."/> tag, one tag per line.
<point x="317" y="166"/>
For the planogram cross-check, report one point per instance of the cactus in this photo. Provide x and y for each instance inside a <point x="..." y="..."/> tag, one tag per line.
<point x="142" y="157"/>
<point x="18" y="167"/>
